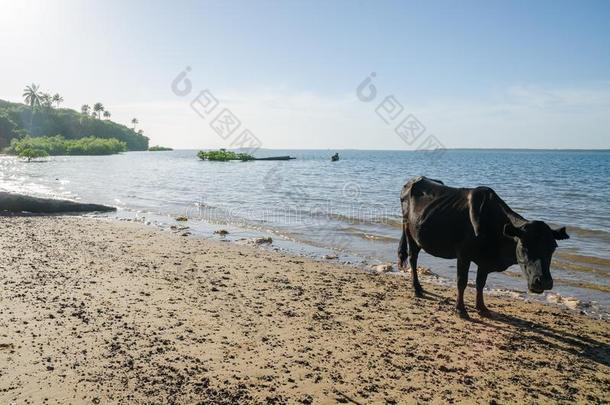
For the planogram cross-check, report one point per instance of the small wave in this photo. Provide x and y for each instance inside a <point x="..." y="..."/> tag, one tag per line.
<point x="576" y="259"/>
<point x="577" y="267"/>
<point x="369" y="235"/>
<point x="590" y="233"/>
<point x="392" y="221"/>
<point x="583" y="284"/>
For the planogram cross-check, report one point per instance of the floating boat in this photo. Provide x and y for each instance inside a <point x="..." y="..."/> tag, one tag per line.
<point x="276" y="158"/>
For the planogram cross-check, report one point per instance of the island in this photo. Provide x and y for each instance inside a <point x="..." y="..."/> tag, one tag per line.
<point x="223" y="155"/>
<point x="158" y="148"/>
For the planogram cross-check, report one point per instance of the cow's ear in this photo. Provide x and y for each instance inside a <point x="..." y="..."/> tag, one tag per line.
<point x="512" y="231"/>
<point x="560" y="234"/>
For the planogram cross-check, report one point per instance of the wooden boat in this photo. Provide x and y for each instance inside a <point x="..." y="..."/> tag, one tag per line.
<point x="276" y="158"/>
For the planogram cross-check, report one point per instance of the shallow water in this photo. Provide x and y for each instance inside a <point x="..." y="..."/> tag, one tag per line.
<point x="351" y="206"/>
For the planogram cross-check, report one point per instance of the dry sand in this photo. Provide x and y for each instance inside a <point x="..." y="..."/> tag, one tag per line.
<point x="96" y="311"/>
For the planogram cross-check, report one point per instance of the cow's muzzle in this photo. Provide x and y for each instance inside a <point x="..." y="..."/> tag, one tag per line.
<point x="540" y="284"/>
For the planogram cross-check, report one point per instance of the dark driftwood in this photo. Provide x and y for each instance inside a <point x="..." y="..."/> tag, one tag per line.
<point x="23" y="203"/>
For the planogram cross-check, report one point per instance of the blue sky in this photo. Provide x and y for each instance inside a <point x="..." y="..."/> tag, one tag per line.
<point x="476" y="74"/>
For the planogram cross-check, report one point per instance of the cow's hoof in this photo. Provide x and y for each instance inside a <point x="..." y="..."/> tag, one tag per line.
<point x="484" y="312"/>
<point x="419" y="291"/>
<point x="462" y="313"/>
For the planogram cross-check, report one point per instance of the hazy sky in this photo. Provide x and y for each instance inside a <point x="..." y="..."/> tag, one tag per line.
<point x="476" y="74"/>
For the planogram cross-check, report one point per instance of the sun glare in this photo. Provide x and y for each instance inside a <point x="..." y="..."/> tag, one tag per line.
<point x="18" y="17"/>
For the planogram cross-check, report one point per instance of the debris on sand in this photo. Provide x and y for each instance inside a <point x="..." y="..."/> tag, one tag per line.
<point x="262" y="240"/>
<point x="182" y="218"/>
<point x="570" y="302"/>
<point x="382" y="268"/>
<point x="421" y="270"/>
<point x="221" y="232"/>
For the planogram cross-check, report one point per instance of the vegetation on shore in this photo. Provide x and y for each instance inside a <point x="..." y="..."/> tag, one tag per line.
<point x="32" y="153"/>
<point x="41" y="116"/>
<point x="58" y="145"/>
<point x="223" y="155"/>
<point x="158" y="148"/>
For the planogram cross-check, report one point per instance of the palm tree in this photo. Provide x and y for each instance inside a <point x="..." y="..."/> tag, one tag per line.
<point x="107" y="114"/>
<point x="57" y="99"/>
<point x="31" y="95"/>
<point x="85" y="109"/>
<point x="98" y="108"/>
<point x="134" y="121"/>
<point x="46" y="100"/>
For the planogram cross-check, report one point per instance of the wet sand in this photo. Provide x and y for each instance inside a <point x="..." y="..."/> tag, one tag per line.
<point x="99" y="311"/>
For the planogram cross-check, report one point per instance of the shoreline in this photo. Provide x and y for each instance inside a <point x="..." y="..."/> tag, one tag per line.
<point x="287" y="244"/>
<point x="106" y="311"/>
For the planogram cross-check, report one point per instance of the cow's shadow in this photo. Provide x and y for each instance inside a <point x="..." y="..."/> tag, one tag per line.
<point x="541" y="334"/>
<point x="432" y="296"/>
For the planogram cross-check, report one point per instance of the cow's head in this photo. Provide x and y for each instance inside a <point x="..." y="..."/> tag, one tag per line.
<point x="535" y="247"/>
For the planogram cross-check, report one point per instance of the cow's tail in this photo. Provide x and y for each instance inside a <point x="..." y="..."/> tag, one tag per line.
<point x="403" y="246"/>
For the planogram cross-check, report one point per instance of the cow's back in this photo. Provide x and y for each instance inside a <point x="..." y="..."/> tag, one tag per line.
<point x="419" y="192"/>
<point x="437" y="216"/>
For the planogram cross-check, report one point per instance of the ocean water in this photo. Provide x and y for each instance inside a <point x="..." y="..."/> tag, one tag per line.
<point x="350" y="207"/>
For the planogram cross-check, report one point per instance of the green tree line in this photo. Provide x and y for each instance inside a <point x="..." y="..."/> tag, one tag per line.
<point x="41" y="116"/>
<point x="58" y="145"/>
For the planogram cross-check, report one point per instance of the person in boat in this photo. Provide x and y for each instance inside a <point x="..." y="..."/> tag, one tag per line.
<point x="334" y="157"/>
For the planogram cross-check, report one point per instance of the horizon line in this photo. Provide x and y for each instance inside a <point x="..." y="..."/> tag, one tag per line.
<point x="415" y="150"/>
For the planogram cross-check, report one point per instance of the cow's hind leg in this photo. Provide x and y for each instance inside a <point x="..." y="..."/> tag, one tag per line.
<point x="413" y="254"/>
<point x="481" y="280"/>
<point x="462" y="279"/>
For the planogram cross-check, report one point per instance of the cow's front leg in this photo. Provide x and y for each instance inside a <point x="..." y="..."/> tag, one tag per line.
<point x="462" y="279"/>
<point x="481" y="280"/>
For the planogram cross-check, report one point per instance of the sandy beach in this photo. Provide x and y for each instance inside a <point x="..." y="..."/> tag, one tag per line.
<point x="100" y="311"/>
